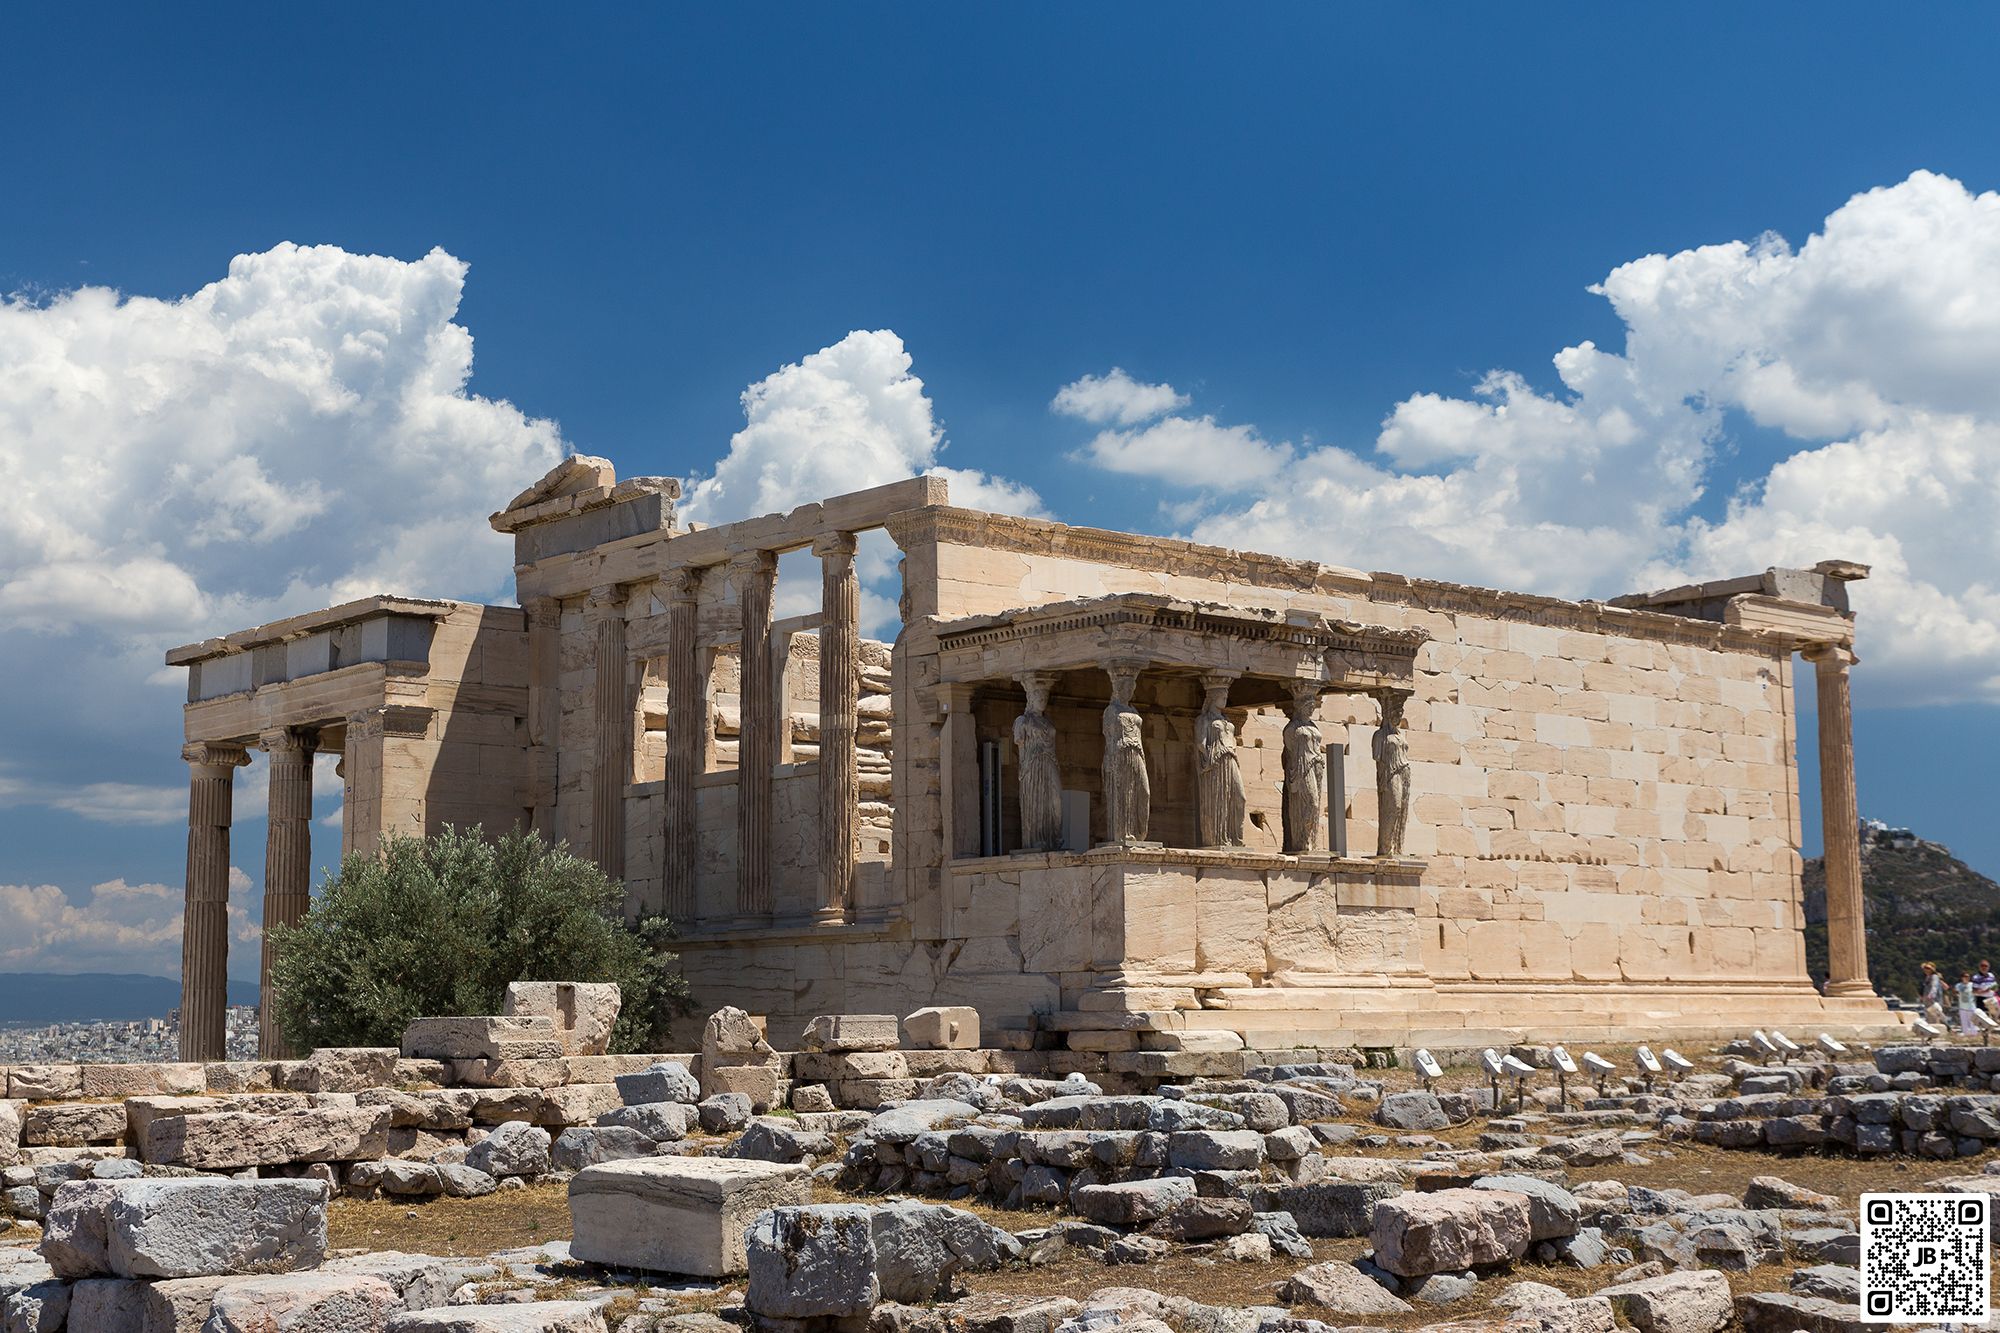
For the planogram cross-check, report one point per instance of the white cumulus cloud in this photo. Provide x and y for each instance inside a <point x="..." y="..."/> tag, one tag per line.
<point x="1117" y="398"/>
<point x="119" y="927"/>
<point x="1871" y="348"/>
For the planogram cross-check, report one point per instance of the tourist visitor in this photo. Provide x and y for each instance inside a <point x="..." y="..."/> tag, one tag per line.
<point x="1985" y="987"/>
<point x="1965" y="1003"/>
<point x="1932" y="999"/>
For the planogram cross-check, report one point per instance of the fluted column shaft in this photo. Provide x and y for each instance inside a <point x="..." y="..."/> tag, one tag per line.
<point x="287" y="864"/>
<point x="544" y="616"/>
<point x="613" y="717"/>
<point x="205" y="920"/>
<point x="839" y="700"/>
<point x="1846" y="937"/>
<point x="687" y="739"/>
<point x="756" y="576"/>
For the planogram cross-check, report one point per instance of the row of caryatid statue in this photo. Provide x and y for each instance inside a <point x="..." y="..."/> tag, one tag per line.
<point x="1221" y="806"/>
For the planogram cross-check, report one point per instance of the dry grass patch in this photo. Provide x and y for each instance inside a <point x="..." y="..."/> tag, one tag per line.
<point x="503" y="1220"/>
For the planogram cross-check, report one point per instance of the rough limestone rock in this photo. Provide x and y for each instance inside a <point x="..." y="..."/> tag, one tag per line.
<point x="922" y="1248"/>
<point x="350" y="1068"/>
<point x="320" y="1302"/>
<point x="111" y="1304"/>
<point x="41" y="1308"/>
<point x="1130" y="1203"/>
<point x="584" y="1012"/>
<point x="10" y="1131"/>
<point x="727" y="1112"/>
<point x="816" y="1261"/>
<point x="664" y="1081"/>
<point x="1412" y="1111"/>
<point x="839" y="1033"/>
<point x="662" y="1122"/>
<point x="420" y="1280"/>
<point x="772" y="1139"/>
<point x="735" y="1036"/>
<point x="73" y="1236"/>
<point x="531" y="1317"/>
<point x="587" y="1145"/>
<point x="1553" y="1212"/>
<point x="1448" y="1231"/>
<point x="1201" y="1219"/>
<point x="1785" y="1312"/>
<point x="676" y="1214"/>
<point x="1340" y="1287"/>
<point x="232" y="1140"/>
<point x="944" y="1027"/>
<point x="516" y="1148"/>
<point x="1691" y="1301"/>
<point x="1216" y="1149"/>
<point x="197" y="1227"/>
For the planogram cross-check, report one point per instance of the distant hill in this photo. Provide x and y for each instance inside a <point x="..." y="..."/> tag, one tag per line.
<point x="1921" y="904"/>
<point x="33" y="999"/>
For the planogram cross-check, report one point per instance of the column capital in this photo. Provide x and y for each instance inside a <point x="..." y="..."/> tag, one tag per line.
<point x="1305" y="697"/>
<point x="752" y="564"/>
<point x="288" y="739"/>
<point x="543" y="612"/>
<point x="681" y="583"/>
<point x="834" y="545"/>
<point x="215" y="754"/>
<point x="608" y="597"/>
<point x="1124" y="673"/>
<point x="1393" y="702"/>
<point x="1830" y="656"/>
<point x="955" y="696"/>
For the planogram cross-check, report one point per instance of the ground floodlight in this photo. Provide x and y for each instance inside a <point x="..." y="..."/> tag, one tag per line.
<point x="1677" y="1062"/>
<point x="1768" y="1046"/>
<point x="1597" y="1064"/>
<point x="1561" y="1059"/>
<point x="1785" y="1044"/>
<point x="1428" y="1066"/>
<point x="1648" y="1061"/>
<point x="1516" y="1066"/>
<point x="1490" y="1059"/>
<point x="1927" y="1030"/>
<point x="1830" y="1045"/>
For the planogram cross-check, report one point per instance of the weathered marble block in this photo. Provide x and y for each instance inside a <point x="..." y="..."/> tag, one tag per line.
<point x="179" y="1080"/>
<point x="947" y="1027"/>
<point x="528" y="1037"/>
<point x="851" y="1032"/>
<point x="349" y="1068"/>
<point x="185" y="1228"/>
<point x="230" y="1140"/>
<point x="676" y="1214"/>
<point x="584" y="1012"/>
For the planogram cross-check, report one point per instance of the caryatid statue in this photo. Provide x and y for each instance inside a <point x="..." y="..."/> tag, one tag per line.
<point x="1219" y="793"/>
<point x="1392" y="778"/>
<point x="1128" y="791"/>
<point x="1305" y="774"/>
<point x="1041" y="776"/>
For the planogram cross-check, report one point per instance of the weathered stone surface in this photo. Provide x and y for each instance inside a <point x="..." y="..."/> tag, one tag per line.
<point x="676" y="1214"/>
<point x="516" y="1148"/>
<point x="921" y="1249"/>
<point x="1329" y="1207"/>
<point x="948" y="1027"/>
<point x="726" y="1112"/>
<point x="529" y="1037"/>
<point x="762" y="1085"/>
<point x="41" y="1083"/>
<point x="1553" y="1212"/>
<point x="1341" y="1288"/>
<point x="179" y="1305"/>
<point x="1447" y="1231"/>
<point x="349" y="1068"/>
<point x="1130" y="1203"/>
<point x="771" y="1139"/>
<point x="1216" y="1149"/>
<point x="1412" y="1111"/>
<point x="420" y="1280"/>
<point x="1201" y="1219"/>
<point x="529" y="1317"/>
<point x="10" y="1131"/>
<point x="662" y="1122"/>
<point x="851" y="1032"/>
<point x="587" y="1145"/>
<point x="186" y="1228"/>
<point x="663" y="1081"/>
<point x="812" y="1262"/>
<point x="583" y="1012"/>
<point x="62" y="1124"/>
<point x="1784" y="1312"/>
<point x="230" y="1140"/>
<point x="111" y="1304"/>
<point x="1691" y="1301"/>
<point x="40" y="1308"/>
<point x="320" y="1302"/>
<point x="149" y="1080"/>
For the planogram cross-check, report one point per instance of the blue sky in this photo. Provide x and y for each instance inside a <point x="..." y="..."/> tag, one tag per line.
<point x="1307" y="220"/>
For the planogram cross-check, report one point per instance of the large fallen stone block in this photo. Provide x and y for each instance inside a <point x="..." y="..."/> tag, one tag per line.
<point x="812" y="1262"/>
<point x="587" y="1145"/>
<point x="1690" y="1301"/>
<point x="1553" y="1212"/>
<point x="349" y="1068"/>
<point x="186" y="1228"/>
<point x="110" y="1304"/>
<point x="10" y="1131"/>
<point x="531" y="1317"/>
<point x="163" y="1080"/>
<point x="420" y="1280"/>
<point x="583" y="1012"/>
<point x="43" y="1083"/>
<point x="231" y="1140"/>
<point x="1448" y="1231"/>
<point x="922" y="1248"/>
<point x="179" y="1305"/>
<point x="1342" y="1288"/>
<point x="676" y="1214"/>
<point x="303" y="1303"/>
<point x="40" y="1308"/>
<point x="61" y="1124"/>
<point x="1130" y="1203"/>
<point x="1414" y="1110"/>
<point x="663" y="1081"/>
<point x="944" y="1027"/>
<point x="516" y="1148"/>
<point x="841" y="1033"/>
<point x="529" y="1037"/>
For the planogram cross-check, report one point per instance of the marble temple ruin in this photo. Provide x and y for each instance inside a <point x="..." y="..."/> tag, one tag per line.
<point x="1141" y="794"/>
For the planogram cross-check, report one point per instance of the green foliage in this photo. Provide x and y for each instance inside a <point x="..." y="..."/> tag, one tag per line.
<point x="438" y="926"/>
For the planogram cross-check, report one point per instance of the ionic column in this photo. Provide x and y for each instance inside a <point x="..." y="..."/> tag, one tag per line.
<point x="1846" y="937"/>
<point x="205" y="921"/>
<point x="544" y="616"/>
<point x="287" y="863"/>
<point x="755" y="574"/>
<point x="839" y="700"/>
<point x="687" y="740"/>
<point x="613" y="726"/>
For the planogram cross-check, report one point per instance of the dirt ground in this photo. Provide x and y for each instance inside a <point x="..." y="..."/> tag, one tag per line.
<point x="504" y="1220"/>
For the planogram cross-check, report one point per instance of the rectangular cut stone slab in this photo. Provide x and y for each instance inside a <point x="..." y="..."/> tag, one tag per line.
<point x="584" y="1012"/>
<point x="676" y="1214"/>
<point x="1445" y="1231"/>
<point x="44" y="1083"/>
<point x="528" y="1037"/>
<point x="350" y="1068"/>
<point x="944" y="1027"/>
<point x="851" y="1032"/>
<point x="230" y="1140"/>
<point x="287" y="1301"/>
<point x="530" y="1317"/>
<point x="180" y="1080"/>
<point x="187" y="1228"/>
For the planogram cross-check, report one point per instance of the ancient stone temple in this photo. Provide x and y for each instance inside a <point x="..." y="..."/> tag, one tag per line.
<point x="1145" y="794"/>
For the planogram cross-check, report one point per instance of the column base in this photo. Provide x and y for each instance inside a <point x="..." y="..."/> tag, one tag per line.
<point x="830" y="916"/>
<point x="1850" y="990"/>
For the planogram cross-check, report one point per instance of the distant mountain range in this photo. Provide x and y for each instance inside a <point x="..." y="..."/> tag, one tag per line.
<point x="1921" y="904"/>
<point x="33" y="999"/>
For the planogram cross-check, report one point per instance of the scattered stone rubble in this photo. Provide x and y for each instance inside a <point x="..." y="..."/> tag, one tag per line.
<point x="201" y="1191"/>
